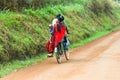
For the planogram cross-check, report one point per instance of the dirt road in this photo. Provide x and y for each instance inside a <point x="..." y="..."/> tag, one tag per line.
<point x="98" y="60"/>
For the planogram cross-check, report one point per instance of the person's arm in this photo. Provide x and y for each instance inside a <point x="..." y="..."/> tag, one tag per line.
<point x="64" y="23"/>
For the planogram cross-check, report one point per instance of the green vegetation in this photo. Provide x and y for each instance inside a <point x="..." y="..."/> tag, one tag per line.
<point x="16" y="64"/>
<point x="23" y="35"/>
<point x="18" y="5"/>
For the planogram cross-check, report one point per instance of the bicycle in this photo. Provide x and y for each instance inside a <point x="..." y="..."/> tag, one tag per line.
<point x="60" y="51"/>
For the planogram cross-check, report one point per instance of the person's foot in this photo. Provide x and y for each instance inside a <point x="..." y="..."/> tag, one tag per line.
<point x="50" y="54"/>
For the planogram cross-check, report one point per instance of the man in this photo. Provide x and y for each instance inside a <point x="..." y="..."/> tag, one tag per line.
<point x="61" y="19"/>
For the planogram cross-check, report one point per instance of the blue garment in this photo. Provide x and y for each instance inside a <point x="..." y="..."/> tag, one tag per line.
<point x="51" y="30"/>
<point x="66" y="44"/>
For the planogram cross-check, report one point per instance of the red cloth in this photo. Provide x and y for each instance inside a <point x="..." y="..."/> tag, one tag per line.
<point x="57" y="37"/>
<point x="49" y="47"/>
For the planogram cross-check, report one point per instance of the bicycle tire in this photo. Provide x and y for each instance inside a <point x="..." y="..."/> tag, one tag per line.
<point x="59" y="58"/>
<point x="58" y="54"/>
<point x="67" y="55"/>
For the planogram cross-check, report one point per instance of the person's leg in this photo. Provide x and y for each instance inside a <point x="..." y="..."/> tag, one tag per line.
<point x="65" y="41"/>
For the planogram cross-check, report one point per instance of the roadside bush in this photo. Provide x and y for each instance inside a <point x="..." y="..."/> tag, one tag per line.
<point x="99" y="6"/>
<point x="17" y="5"/>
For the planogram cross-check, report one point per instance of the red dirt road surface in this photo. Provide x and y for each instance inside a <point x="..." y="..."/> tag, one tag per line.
<point x="98" y="60"/>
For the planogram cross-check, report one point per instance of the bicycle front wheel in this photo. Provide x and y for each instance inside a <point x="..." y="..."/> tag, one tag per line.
<point x="59" y="58"/>
<point x="59" y="54"/>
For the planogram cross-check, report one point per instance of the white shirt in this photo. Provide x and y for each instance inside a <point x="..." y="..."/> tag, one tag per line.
<point x="54" y="21"/>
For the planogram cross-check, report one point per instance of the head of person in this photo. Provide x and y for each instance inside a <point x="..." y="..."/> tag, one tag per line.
<point x="58" y="15"/>
<point x="61" y="18"/>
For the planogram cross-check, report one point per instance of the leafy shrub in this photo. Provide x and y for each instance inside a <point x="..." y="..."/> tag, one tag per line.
<point x="99" y="6"/>
<point x="34" y="4"/>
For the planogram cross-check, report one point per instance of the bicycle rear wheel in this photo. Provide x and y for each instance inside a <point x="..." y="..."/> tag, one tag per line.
<point x="67" y="55"/>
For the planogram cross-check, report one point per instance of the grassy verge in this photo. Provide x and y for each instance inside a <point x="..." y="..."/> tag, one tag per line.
<point x="16" y="64"/>
<point x="93" y="37"/>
